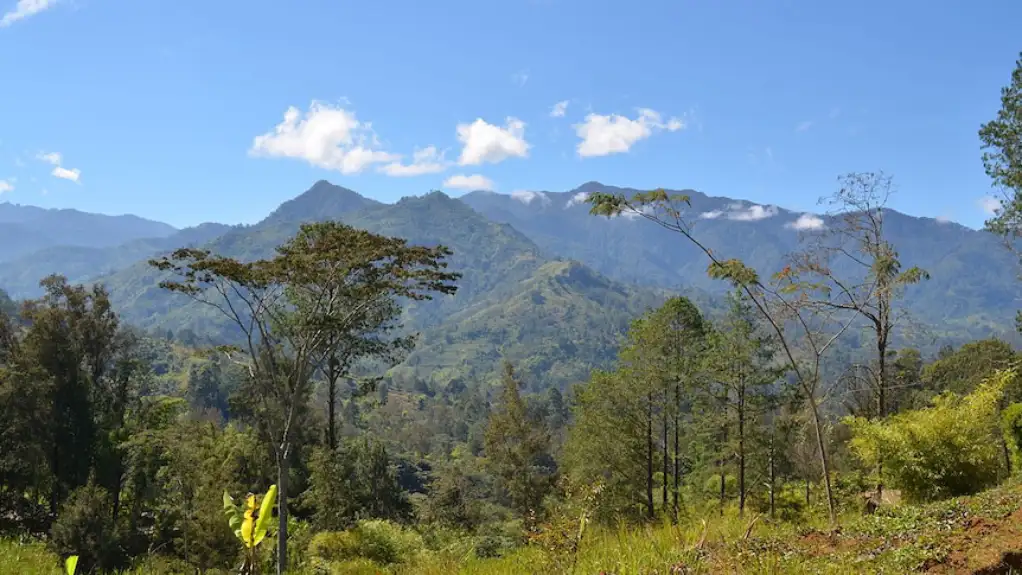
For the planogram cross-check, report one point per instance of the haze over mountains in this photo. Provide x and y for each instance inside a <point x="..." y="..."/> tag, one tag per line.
<point x="545" y="284"/>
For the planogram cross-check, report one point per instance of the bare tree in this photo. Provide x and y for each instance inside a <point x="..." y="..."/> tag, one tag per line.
<point x="804" y="335"/>
<point x="850" y="266"/>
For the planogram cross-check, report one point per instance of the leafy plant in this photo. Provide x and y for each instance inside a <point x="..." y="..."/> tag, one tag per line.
<point x="250" y="524"/>
<point x="71" y="565"/>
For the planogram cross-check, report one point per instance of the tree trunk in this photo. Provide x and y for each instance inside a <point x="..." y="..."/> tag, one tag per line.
<point x="283" y="469"/>
<point x="677" y="466"/>
<point x="649" y="455"/>
<point x="772" y="474"/>
<point x="666" y="454"/>
<point x="741" y="450"/>
<point x="331" y="430"/>
<point x="824" y="461"/>
<point x="881" y="402"/>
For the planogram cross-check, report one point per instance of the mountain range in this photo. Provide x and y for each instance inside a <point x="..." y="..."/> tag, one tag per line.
<point x="544" y="283"/>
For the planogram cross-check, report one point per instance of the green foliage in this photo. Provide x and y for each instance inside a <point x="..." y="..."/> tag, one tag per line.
<point x="945" y="450"/>
<point x="71" y="565"/>
<point x="1011" y="426"/>
<point x="352" y="483"/>
<point x="379" y="541"/>
<point x="518" y="449"/>
<point x="85" y="528"/>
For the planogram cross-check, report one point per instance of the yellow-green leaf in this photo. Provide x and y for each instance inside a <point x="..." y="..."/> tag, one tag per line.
<point x="248" y="525"/>
<point x="265" y="514"/>
<point x="71" y="565"/>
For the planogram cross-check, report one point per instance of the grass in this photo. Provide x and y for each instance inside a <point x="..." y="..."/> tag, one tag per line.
<point x="959" y="535"/>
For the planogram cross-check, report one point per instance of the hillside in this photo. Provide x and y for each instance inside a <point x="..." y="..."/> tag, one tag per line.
<point x="973" y="283"/>
<point x="20" y="277"/>
<point x="26" y="229"/>
<point x="555" y="326"/>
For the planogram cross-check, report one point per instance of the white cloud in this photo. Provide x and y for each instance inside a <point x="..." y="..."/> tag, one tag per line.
<point x="806" y="222"/>
<point x="615" y="134"/>
<point x="803" y="126"/>
<point x="577" y="199"/>
<point x="737" y="211"/>
<point x="520" y="77"/>
<point x="66" y="174"/>
<point x="6" y="186"/>
<point x="559" y="109"/>
<point x="327" y="137"/>
<point x="989" y="205"/>
<point x="473" y="182"/>
<point x="424" y="161"/>
<point x="485" y="142"/>
<point x="526" y="197"/>
<point x="753" y="213"/>
<point x="25" y="8"/>
<point x="943" y="220"/>
<point x="49" y="157"/>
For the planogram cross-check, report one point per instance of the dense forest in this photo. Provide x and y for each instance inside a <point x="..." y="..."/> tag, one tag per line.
<point x="786" y="427"/>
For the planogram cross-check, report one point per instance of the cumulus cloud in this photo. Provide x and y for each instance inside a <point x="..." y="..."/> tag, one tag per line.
<point x="559" y="109"/>
<point x="425" y="161"/>
<point x="6" y="186"/>
<point x="752" y="213"/>
<point x="484" y="142"/>
<point x="806" y="222"/>
<point x="55" y="159"/>
<point x="577" y="199"/>
<point x="465" y="182"/>
<point x="49" y="157"/>
<point x="616" y="134"/>
<point x="24" y="9"/>
<point x="326" y="137"/>
<point x="989" y="205"/>
<point x="527" y="197"/>
<point x="739" y="212"/>
<point x="66" y="174"/>
<point x="943" y="220"/>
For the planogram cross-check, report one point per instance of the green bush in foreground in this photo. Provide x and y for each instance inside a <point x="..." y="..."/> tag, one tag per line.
<point x="949" y="449"/>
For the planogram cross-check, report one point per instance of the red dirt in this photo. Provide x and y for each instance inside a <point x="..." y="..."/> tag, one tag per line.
<point x="985" y="548"/>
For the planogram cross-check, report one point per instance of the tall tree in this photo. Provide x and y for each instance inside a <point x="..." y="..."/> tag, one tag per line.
<point x="348" y="278"/>
<point x="518" y="448"/>
<point x="855" y="239"/>
<point x="71" y="340"/>
<point x="741" y="362"/>
<point x="1002" y="158"/>
<point x="779" y="309"/>
<point x="286" y="313"/>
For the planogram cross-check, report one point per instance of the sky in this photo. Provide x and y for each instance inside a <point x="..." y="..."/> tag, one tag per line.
<point x="188" y="111"/>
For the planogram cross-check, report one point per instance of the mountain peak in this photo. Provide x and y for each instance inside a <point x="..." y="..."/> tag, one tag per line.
<point x="322" y="201"/>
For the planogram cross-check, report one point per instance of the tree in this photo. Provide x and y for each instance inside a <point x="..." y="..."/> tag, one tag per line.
<point x="741" y="361"/>
<point x="287" y="310"/>
<point x="1002" y="158"/>
<point x="854" y="238"/>
<point x="71" y="341"/>
<point x="518" y="449"/>
<point x="779" y="309"/>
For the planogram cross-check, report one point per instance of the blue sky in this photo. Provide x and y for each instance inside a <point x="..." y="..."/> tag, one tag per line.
<point x="178" y="110"/>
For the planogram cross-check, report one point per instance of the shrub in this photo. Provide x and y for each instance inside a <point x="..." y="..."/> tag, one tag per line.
<point x="946" y="450"/>
<point x="379" y="541"/>
<point x="85" y="527"/>
<point x="1011" y="425"/>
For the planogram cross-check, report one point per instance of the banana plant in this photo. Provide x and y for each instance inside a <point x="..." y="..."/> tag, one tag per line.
<point x="250" y="524"/>
<point x="71" y="565"/>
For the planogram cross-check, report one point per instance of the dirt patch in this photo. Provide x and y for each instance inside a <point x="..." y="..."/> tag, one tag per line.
<point x="985" y="547"/>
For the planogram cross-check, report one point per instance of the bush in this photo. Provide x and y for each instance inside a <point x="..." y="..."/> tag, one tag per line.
<point x="379" y="541"/>
<point x="85" y="527"/>
<point x="1011" y="425"/>
<point x="946" y="450"/>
